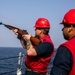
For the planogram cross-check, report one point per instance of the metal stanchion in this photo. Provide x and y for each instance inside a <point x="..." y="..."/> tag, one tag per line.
<point x="20" y="60"/>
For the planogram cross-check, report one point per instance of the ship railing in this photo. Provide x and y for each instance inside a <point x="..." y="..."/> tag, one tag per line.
<point x="19" y="69"/>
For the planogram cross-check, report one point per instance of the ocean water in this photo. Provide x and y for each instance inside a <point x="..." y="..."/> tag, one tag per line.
<point x="9" y="60"/>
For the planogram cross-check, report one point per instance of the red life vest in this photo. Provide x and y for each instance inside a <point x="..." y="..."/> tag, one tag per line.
<point x="71" y="46"/>
<point x="37" y="63"/>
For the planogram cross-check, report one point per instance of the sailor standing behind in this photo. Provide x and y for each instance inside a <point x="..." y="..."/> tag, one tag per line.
<point x="64" y="62"/>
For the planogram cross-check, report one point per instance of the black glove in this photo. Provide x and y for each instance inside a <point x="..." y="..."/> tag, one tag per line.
<point x="19" y="36"/>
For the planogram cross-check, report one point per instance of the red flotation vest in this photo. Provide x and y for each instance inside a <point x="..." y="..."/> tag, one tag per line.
<point x="37" y="63"/>
<point x="71" y="46"/>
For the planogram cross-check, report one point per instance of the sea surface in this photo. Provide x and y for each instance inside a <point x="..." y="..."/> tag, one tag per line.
<point x="9" y="60"/>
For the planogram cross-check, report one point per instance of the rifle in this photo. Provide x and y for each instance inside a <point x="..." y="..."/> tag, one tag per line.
<point x="35" y="41"/>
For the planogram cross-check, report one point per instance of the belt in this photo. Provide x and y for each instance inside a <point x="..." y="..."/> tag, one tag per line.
<point x="27" y="69"/>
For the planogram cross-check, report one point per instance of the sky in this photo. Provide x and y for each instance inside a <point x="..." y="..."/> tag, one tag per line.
<point x="24" y="13"/>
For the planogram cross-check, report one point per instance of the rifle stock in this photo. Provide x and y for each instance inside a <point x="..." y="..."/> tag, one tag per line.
<point x="35" y="41"/>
